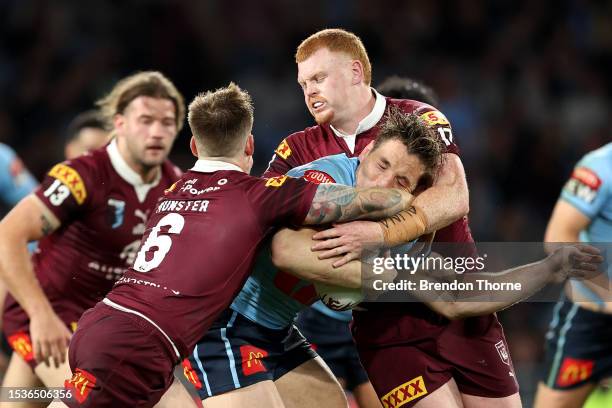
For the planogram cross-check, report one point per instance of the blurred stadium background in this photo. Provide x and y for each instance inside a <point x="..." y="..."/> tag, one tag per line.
<point x="525" y="84"/>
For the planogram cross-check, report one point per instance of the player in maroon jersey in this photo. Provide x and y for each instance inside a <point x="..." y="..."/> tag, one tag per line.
<point x="200" y="245"/>
<point x="334" y="72"/>
<point x="89" y="215"/>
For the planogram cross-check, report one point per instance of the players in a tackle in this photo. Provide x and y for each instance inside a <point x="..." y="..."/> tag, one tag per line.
<point x="198" y="250"/>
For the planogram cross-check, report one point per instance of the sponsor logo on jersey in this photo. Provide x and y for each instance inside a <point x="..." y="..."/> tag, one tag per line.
<point x="405" y="393"/>
<point x="72" y="179"/>
<point x="503" y="352"/>
<point x="276" y="181"/>
<point x="190" y="374"/>
<point x="170" y="189"/>
<point x="81" y="383"/>
<point x="583" y="184"/>
<point x="252" y="359"/>
<point x="573" y="371"/>
<point x="318" y="177"/>
<point x="21" y="343"/>
<point x="434" y="118"/>
<point x="283" y="149"/>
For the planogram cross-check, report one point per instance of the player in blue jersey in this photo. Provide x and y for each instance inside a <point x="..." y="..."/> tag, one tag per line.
<point x="15" y="180"/>
<point x="579" y="341"/>
<point x="253" y="354"/>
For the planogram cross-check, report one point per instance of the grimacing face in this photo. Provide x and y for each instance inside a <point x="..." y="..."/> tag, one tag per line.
<point x="147" y="128"/>
<point x="325" y="79"/>
<point x="390" y="166"/>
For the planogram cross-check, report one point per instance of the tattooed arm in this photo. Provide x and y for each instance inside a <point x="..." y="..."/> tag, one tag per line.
<point x="337" y="203"/>
<point x="29" y="221"/>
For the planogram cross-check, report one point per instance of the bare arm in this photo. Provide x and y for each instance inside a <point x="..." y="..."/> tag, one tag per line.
<point x="438" y="206"/>
<point x="565" y="261"/>
<point x="30" y="220"/>
<point x="448" y="199"/>
<point x="291" y="253"/>
<point x="565" y="225"/>
<point x="335" y="203"/>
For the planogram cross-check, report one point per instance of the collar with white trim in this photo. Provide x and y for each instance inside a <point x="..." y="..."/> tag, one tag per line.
<point x="209" y="166"/>
<point x="128" y="174"/>
<point x="370" y="120"/>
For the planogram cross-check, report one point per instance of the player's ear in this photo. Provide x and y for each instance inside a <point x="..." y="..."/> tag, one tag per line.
<point x="357" y="72"/>
<point x="118" y="121"/>
<point x="193" y="146"/>
<point x="249" y="148"/>
<point x="366" y="151"/>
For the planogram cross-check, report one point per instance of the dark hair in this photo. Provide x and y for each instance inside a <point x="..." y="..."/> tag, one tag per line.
<point x="219" y="120"/>
<point x="418" y="138"/>
<point x="407" y="88"/>
<point x="88" y="119"/>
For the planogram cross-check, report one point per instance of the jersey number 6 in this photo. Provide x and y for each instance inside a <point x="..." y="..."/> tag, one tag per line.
<point x="162" y="243"/>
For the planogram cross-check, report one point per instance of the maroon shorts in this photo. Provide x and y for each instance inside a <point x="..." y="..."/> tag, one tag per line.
<point x="16" y="324"/>
<point x="118" y="360"/>
<point x="408" y="354"/>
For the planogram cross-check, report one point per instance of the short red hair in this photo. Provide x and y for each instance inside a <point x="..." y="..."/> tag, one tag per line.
<point x="336" y="40"/>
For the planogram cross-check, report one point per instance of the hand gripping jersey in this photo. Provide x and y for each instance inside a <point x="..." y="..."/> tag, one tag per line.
<point x="321" y="140"/>
<point x="200" y="246"/>
<point x="271" y="297"/>
<point x="15" y="180"/>
<point x="103" y="206"/>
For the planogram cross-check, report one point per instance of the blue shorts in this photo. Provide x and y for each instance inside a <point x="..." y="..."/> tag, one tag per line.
<point x="237" y="352"/>
<point x="578" y="347"/>
<point x="332" y="340"/>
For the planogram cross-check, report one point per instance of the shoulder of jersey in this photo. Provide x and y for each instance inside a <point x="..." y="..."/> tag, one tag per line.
<point x="409" y="105"/>
<point x="600" y="161"/>
<point x="307" y="135"/>
<point x="172" y="171"/>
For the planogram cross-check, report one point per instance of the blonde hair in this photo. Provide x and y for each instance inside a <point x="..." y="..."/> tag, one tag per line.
<point x="147" y="83"/>
<point x="336" y="40"/>
<point x="221" y="119"/>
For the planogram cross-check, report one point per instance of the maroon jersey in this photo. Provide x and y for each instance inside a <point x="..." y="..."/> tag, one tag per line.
<point x="200" y="245"/>
<point x="103" y="206"/>
<point x="319" y="141"/>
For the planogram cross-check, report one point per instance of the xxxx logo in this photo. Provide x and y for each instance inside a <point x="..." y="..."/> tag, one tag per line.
<point x="276" y="181"/>
<point x="405" y="393"/>
<point x="72" y="179"/>
<point x="81" y="383"/>
<point x="283" y="149"/>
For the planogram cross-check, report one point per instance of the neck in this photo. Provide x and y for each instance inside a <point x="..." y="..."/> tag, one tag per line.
<point x="365" y="100"/>
<point x="146" y="173"/>
<point x="232" y="160"/>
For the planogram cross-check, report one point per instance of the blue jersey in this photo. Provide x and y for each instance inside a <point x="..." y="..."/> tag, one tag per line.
<point x="15" y="181"/>
<point x="271" y="297"/>
<point x="589" y="190"/>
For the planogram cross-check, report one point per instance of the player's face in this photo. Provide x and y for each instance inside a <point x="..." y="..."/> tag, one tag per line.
<point x="325" y="78"/>
<point x="87" y="139"/>
<point x="148" y="129"/>
<point x="389" y="165"/>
